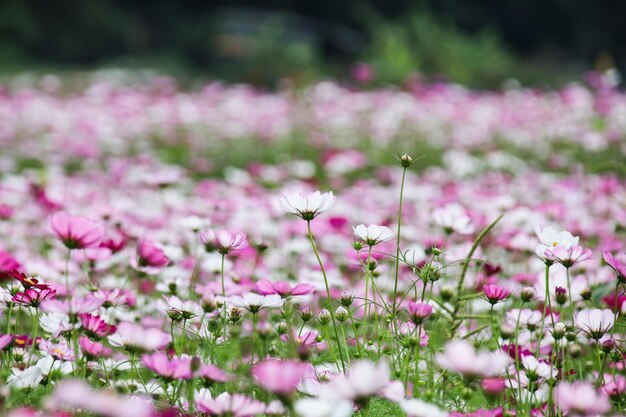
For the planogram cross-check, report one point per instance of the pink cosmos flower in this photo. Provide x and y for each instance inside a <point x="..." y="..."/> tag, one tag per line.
<point x="7" y="264"/>
<point x="75" y="394"/>
<point x="279" y="377"/>
<point x="495" y="294"/>
<point x="366" y="379"/>
<point x="581" y="399"/>
<point x="134" y="336"/>
<point x="237" y="405"/>
<point x="26" y="281"/>
<point x="150" y="258"/>
<point x="419" y="311"/>
<point x="161" y="364"/>
<point x="77" y="305"/>
<point x="616" y="265"/>
<point x="5" y="340"/>
<point x="309" y="206"/>
<point x="212" y="373"/>
<point x="59" y="351"/>
<point x="93" y="349"/>
<point x="33" y="297"/>
<point x="459" y="356"/>
<point x="567" y="256"/>
<point x="76" y="232"/>
<point x="223" y="241"/>
<point x="95" y="326"/>
<point x="282" y="288"/>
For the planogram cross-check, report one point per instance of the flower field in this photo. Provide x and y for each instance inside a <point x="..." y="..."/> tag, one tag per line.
<point x="324" y="252"/>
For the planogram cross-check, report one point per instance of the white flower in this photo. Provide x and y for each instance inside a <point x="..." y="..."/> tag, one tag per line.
<point x="414" y="255"/>
<point x="551" y="238"/>
<point x="48" y="363"/>
<point x="256" y="302"/>
<point x="136" y="336"/>
<point x="188" y="309"/>
<point x="373" y="234"/>
<point x="308" y="206"/>
<point x="418" y="408"/>
<point x="595" y="323"/>
<point x="28" y="378"/>
<point x="535" y="368"/>
<point x="453" y="219"/>
<point x="365" y="379"/>
<point x="460" y="356"/>
<point x="323" y="407"/>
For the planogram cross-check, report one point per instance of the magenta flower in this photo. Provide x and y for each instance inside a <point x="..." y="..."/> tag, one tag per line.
<point x="76" y="232"/>
<point x="495" y="294"/>
<point x="616" y="265"/>
<point x="567" y="256"/>
<point x="223" y="241"/>
<point x="237" y="405"/>
<point x="26" y="281"/>
<point x="33" y="297"/>
<point x="282" y="288"/>
<point x="7" y="264"/>
<point x="95" y="326"/>
<point x="279" y="377"/>
<point x="93" y="349"/>
<point x="161" y="364"/>
<point x="150" y="257"/>
<point x="212" y="373"/>
<point x="419" y="311"/>
<point x="581" y="399"/>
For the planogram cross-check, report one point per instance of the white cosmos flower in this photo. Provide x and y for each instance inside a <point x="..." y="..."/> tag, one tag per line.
<point x="541" y="369"/>
<point x="309" y="206"/>
<point x="452" y="218"/>
<point x="187" y="308"/>
<point x="414" y="255"/>
<point x="418" y="408"/>
<point x="373" y="234"/>
<point x="549" y="238"/>
<point x="28" y="378"/>
<point x="323" y="407"/>
<point x="364" y="380"/>
<point x="256" y="302"/>
<point x="595" y="323"/>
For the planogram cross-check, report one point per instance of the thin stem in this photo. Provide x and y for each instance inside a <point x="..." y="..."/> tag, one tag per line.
<point x="330" y="301"/>
<point x="35" y="329"/>
<point x="546" y="303"/>
<point x="395" y="283"/>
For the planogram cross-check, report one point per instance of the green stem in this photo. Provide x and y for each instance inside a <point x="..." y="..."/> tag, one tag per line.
<point x="330" y="301"/>
<point x="395" y="283"/>
<point x="546" y="303"/>
<point x="35" y="329"/>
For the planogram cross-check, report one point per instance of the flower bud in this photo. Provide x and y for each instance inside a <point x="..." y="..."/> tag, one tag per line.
<point x="561" y="295"/>
<point x="447" y="292"/>
<point x="559" y="330"/>
<point x="586" y="294"/>
<point x="357" y="245"/>
<point x="175" y="315"/>
<point x="341" y="314"/>
<point x="235" y="314"/>
<point x="608" y="345"/>
<point x="346" y="299"/>
<point x="324" y="316"/>
<point x="575" y="350"/>
<point x="306" y="314"/>
<point x="196" y="363"/>
<point x="282" y="328"/>
<point x="527" y="294"/>
<point x="406" y="161"/>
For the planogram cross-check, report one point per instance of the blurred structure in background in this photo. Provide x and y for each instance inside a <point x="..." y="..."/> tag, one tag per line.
<point x="477" y="43"/>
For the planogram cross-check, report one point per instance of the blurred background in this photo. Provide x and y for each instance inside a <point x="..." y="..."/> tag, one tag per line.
<point x="478" y="43"/>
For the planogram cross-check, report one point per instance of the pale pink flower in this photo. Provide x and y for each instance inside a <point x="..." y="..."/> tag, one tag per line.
<point x="59" y="351"/>
<point x="93" y="349"/>
<point x="617" y="265"/>
<point x="452" y="218"/>
<point x="76" y="232"/>
<point x="279" y="376"/>
<point x="282" y="288"/>
<point x="594" y="322"/>
<point x="567" y="257"/>
<point x="550" y="238"/>
<point x="365" y="379"/>
<point x="419" y="311"/>
<point x="373" y="234"/>
<point x="161" y="364"/>
<point x="459" y="356"/>
<point x="134" y="336"/>
<point x="236" y="405"/>
<point x="581" y="399"/>
<point x="223" y="241"/>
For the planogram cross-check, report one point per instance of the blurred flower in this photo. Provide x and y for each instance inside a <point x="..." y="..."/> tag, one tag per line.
<point x="223" y="241"/>
<point x="236" y="405"/>
<point x="581" y="399"/>
<point x="76" y="232"/>
<point x="373" y="234"/>
<point x="266" y="287"/>
<point x="279" y="376"/>
<point x="459" y="356"/>
<point x="452" y="218"/>
<point x="595" y="323"/>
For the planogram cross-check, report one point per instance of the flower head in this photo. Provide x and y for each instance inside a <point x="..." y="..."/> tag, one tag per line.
<point x="581" y="399"/>
<point x="150" y="258"/>
<point x="595" y="323"/>
<point x="236" y="405"/>
<point x="495" y="294"/>
<point x="419" y="311"/>
<point x="459" y="356"/>
<point x="135" y="337"/>
<point x="617" y="265"/>
<point x="223" y="241"/>
<point x="550" y="238"/>
<point x="76" y="232"/>
<point x="280" y="377"/>
<point x="452" y="218"/>
<point x="567" y="257"/>
<point x="373" y="234"/>
<point x="282" y="288"/>
<point x="307" y="207"/>
<point x="33" y="297"/>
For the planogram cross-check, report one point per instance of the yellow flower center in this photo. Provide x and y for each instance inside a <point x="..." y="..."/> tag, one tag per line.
<point x="555" y="244"/>
<point x="57" y="352"/>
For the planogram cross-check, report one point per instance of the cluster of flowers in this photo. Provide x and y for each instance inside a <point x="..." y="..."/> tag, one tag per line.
<point x="127" y="288"/>
<point x="108" y="118"/>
